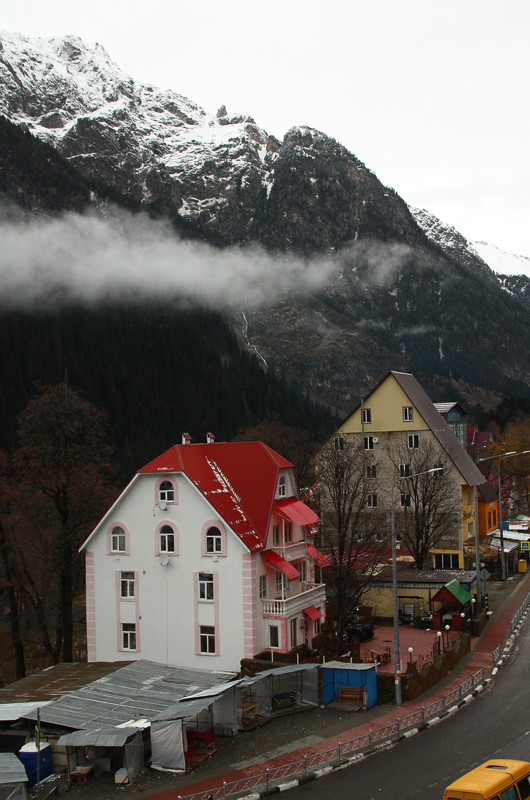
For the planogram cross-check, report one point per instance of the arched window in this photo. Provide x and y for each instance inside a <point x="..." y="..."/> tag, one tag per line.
<point x="166" y="491"/>
<point x="214" y="541"/>
<point x="281" y="486"/>
<point x="167" y="539"/>
<point x="117" y="540"/>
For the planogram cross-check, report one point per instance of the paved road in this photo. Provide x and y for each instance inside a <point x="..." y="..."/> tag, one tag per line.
<point x="496" y="724"/>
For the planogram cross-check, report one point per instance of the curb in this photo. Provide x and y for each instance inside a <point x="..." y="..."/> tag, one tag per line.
<point x="348" y="761"/>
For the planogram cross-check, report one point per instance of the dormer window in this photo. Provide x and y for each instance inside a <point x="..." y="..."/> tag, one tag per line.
<point x="282" y="486"/>
<point x="166" y="492"/>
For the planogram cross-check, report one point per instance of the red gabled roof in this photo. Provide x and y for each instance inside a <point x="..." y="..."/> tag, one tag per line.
<point x="239" y="479"/>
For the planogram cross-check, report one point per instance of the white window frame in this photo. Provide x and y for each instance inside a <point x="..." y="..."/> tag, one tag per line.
<point x="339" y="442"/>
<point x="371" y="500"/>
<point x="127" y="585"/>
<point x="287" y="532"/>
<point x="302" y="569"/>
<point x="367" y="416"/>
<point x="413" y="441"/>
<point x="164" y="540"/>
<point x="215" y="539"/>
<point x="166" y="493"/>
<point x="207" y="640"/>
<point x="369" y="443"/>
<point x="281" y="582"/>
<point x="262" y="586"/>
<point x="128" y="636"/>
<point x="117" y="539"/>
<point x="408" y="413"/>
<point x="405" y="470"/>
<point x="206" y="587"/>
<point x="282" y="486"/>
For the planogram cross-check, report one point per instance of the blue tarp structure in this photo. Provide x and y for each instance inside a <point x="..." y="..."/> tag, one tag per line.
<point x="336" y="673"/>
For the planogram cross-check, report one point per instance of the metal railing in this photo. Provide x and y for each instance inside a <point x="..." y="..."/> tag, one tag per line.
<point x="313" y="762"/>
<point x="519" y="613"/>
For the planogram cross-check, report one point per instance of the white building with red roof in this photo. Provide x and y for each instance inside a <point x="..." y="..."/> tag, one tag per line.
<point x="204" y="559"/>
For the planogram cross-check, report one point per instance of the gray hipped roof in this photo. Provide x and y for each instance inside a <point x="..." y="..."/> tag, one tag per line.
<point x="420" y="400"/>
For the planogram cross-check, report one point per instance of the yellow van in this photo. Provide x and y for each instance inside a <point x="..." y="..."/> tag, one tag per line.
<point x="502" y="779"/>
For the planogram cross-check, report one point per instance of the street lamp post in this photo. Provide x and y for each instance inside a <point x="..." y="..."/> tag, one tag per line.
<point x="511" y="454"/>
<point x="397" y="660"/>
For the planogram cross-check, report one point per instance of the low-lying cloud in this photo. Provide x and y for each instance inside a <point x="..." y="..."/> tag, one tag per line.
<point x="90" y="258"/>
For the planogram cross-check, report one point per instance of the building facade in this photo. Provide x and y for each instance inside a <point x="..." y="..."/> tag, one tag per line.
<point x="204" y="559"/>
<point x="398" y="425"/>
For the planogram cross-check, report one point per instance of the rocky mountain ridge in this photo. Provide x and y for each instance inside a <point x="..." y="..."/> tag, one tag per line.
<point x="406" y="292"/>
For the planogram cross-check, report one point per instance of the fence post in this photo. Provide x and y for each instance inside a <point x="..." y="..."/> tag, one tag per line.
<point x="339" y="753"/>
<point x="398" y="724"/>
<point x="423" y="714"/>
<point x="305" y="766"/>
<point x="443" y="702"/>
<point x="267" y="778"/>
<point x="224" y="788"/>
<point x="370" y="736"/>
<point x="460" y="691"/>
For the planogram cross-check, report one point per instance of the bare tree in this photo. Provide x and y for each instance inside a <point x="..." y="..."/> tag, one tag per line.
<point x="352" y="525"/>
<point x="430" y="503"/>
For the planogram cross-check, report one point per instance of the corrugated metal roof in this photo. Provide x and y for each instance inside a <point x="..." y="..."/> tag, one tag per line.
<point x="100" y="737"/>
<point x="11" y="769"/>
<point x="56" y="681"/>
<point x="184" y="710"/>
<point x="9" y="712"/>
<point x="290" y="668"/>
<point x="141" y="689"/>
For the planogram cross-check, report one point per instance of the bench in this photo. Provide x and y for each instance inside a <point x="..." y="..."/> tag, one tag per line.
<point x="351" y="694"/>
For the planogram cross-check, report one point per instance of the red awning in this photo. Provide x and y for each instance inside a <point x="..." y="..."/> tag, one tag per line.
<point x="280" y="563"/>
<point x="320" y="558"/>
<point x="296" y="511"/>
<point x="312" y="612"/>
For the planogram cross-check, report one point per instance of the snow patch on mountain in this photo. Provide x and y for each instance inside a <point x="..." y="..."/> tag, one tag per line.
<point x="502" y="262"/>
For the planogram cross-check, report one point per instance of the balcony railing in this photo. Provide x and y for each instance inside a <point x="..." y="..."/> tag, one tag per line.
<point x="292" y="551"/>
<point x="312" y="594"/>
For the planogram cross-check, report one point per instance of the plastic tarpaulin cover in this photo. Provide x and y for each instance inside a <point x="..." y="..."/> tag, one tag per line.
<point x="167" y="746"/>
<point x="134" y="755"/>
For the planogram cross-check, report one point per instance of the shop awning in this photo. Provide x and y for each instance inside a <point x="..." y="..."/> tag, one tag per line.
<point x="296" y="511"/>
<point x="319" y="558"/>
<point x="312" y="612"/>
<point x="280" y="563"/>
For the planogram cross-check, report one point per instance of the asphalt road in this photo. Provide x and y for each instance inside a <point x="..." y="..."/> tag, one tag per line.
<point x="497" y="723"/>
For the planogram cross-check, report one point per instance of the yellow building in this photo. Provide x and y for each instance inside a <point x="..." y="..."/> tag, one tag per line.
<point x="398" y="423"/>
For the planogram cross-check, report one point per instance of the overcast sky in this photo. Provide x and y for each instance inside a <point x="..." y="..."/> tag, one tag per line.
<point x="432" y="95"/>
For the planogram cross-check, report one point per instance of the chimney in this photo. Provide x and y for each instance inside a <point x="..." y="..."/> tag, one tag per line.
<point x="210" y="438"/>
<point x="186" y="438"/>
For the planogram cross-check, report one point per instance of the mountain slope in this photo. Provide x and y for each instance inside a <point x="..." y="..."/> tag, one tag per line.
<point x="402" y="293"/>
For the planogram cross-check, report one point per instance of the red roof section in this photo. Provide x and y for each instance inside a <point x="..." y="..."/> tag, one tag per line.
<point x="239" y="479"/>
<point x="296" y="511"/>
